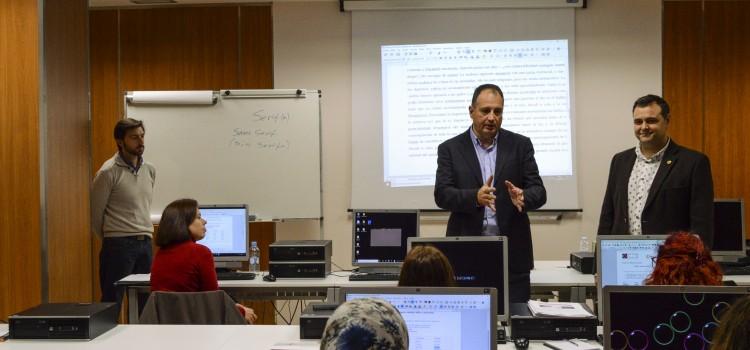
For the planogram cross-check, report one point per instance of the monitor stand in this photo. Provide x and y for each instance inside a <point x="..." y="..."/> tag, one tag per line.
<point x="732" y="259"/>
<point x="227" y="266"/>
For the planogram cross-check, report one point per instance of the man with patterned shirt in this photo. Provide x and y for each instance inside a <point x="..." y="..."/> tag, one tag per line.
<point x="121" y="196"/>
<point x="659" y="186"/>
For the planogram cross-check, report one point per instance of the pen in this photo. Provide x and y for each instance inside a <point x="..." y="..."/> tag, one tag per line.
<point x="572" y="342"/>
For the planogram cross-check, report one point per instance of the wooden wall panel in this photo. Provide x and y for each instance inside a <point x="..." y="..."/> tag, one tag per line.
<point x="106" y="105"/>
<point x="683" y="71"/>
<point x="20" y="253"/>
<point x="727" y="96"/>
<point x="707" y="73"/>
<point x="256" y="47"/>
<point x="188" y="48"/>
<point x="68" y="160"/>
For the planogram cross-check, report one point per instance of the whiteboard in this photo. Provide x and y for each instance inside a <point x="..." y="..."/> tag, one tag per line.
<point x="254" y="147"/>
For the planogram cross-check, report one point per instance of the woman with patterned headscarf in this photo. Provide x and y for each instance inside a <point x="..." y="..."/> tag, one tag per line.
<point x="362" y="324"/>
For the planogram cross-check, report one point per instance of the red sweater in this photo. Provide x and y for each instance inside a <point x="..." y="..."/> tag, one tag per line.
<point x="184" y="267"/>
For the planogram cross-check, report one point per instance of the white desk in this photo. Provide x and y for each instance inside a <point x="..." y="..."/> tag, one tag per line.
<point x="160" y="337"/>
<point x="185" y="337"/>
<point x="547" y="275"/>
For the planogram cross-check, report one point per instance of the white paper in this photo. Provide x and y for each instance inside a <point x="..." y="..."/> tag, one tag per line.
<point x="558" y="309"/>
<point x="296" y="345"/>
<point x="4" y="328"/>
<point x="574" y="344"/>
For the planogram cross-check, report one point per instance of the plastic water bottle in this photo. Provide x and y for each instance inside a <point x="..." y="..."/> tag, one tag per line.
<point x="254" y="257"/>
<point x="584" y="245"/>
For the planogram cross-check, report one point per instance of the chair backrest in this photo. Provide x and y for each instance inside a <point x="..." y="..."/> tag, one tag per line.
<point x="214" y="307"/>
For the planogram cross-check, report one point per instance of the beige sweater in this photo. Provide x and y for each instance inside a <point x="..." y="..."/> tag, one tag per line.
<point x="121" y="200"/>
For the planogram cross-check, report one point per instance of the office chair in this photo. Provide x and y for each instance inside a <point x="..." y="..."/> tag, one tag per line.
<point x="214" y="307"/>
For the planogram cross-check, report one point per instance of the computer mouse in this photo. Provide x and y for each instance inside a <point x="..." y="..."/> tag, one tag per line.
<point x="269" y="278"/>
<point x="521" y="343"/>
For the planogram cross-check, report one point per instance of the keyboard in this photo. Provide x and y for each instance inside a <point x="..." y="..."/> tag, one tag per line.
<point x="736" y="270"/>
<point x="374" y="277"/>
<point x="234" y="275"/>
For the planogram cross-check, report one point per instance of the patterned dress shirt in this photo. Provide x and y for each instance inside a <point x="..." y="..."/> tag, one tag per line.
<point x="639" y="184"/>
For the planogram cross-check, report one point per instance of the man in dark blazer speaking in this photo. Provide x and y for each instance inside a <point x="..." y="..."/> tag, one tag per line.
<point x="469" y="166"/>
<point x="659" y="186"/>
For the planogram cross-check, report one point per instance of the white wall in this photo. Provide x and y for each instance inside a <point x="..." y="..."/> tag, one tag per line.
<point x="618" y="59"/>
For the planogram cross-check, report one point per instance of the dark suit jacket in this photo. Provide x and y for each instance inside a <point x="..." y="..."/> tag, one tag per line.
<point x="681" y="196"/>
<point x="459" y="177"/>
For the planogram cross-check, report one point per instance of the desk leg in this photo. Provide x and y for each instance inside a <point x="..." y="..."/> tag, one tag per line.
<point x="332" y="295"/>
<point x="578" y="294"/>
<point x="132" y="305"/>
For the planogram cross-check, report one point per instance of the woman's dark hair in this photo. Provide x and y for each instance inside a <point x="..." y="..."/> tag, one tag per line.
<point x="684" y="260"/>
<point x="174" y="226"/>
<point x="426" y="266"/>
<point x="734" y="328"/>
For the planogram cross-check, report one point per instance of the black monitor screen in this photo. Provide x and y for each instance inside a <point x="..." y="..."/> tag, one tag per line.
<point x="643" y="320"/>
<point x="475" y="264"/>
<point x="729" y="232"/>
<point x="380" y="236"/>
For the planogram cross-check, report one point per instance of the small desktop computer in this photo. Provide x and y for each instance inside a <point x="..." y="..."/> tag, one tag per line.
<point x="312" y="321"/>
<point x="64" y="321"/>
<point x="583" y="262"/>
<point x="300" y="258"/>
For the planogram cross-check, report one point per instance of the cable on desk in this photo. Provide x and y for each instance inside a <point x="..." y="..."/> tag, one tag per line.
<point x="339" y="267"/>
<point x="334" y="274"/>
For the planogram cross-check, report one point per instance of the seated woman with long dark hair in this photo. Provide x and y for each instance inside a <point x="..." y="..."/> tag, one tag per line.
<point x="684" y="260"/>
<point x="426" y="266"/>
<point x="182" y="265"/>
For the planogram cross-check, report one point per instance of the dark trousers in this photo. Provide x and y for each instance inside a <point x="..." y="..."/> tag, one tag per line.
<point x="519" y="287"/>
<point x="120" y="257"/>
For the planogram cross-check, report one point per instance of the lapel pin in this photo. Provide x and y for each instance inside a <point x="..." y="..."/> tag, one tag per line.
<point x="669" y="162"/>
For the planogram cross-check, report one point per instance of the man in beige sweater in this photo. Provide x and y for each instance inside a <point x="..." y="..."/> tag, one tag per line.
<point x="121" y="197"/>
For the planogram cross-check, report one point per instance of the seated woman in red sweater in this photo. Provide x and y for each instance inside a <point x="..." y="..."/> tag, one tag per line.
<point x="181" y="265"/>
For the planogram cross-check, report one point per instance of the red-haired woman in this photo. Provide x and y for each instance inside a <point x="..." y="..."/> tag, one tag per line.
<point x="684" y="260"/>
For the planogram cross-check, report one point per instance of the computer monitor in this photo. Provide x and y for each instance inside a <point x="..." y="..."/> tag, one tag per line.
<point x="665" y="317"/>
<point x="379" y="238"/>
<point x="439" y="317"/>
<point x="477" y="261"/>
<point x="625" y="260"/>
<point x="729" y="230"/>
<point x="226" y="234"/>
